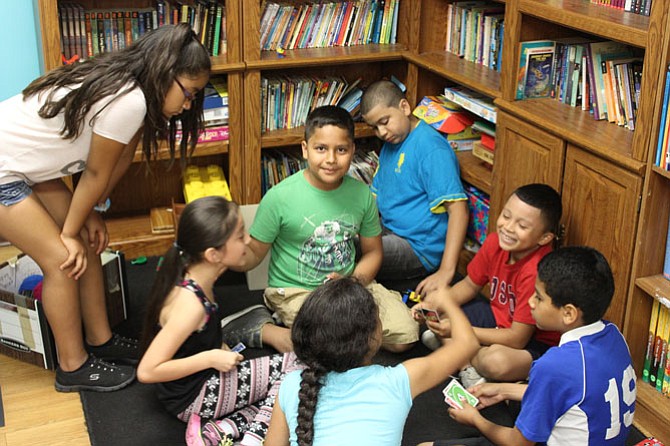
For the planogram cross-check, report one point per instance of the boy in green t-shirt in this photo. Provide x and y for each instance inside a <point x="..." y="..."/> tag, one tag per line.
<point x="310" y="221"/>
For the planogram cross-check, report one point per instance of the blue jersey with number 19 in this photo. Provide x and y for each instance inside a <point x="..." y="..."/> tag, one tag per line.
<point x="581" y="392"/>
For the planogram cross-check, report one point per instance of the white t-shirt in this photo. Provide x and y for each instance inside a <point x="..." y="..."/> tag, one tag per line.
<point x="32" y="148"/>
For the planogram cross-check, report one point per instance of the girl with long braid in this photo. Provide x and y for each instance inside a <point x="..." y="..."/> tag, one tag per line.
<point x="341" y="397"/>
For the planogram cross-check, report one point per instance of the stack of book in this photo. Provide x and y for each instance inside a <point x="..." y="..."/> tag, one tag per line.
<point x="88" y="32"/>
<point x="328" y="23"/>
<point x="475" y="32"/>
<point x="215" y="112"/>
<point x="600" y="77"/>
<point x="642" y="7"/>
<point x="449" y="119"/>
<point x="485" y="147"/>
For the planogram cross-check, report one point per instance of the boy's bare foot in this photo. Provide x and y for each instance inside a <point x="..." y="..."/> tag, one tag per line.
<point x="277" y="337"/>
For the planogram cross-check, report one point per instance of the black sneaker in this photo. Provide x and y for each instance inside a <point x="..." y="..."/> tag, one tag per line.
<point x="245" y="326"/>
<point x="95" y="375"/>
<point x="117" y="349"/>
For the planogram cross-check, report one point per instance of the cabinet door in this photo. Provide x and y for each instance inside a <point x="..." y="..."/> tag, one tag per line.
<point x="600" y="209"/>
<point x="524" y="154"/>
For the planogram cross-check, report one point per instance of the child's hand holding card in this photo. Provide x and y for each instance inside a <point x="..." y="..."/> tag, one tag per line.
<point x="455" y="393"/>
<point x="430" y="315"/>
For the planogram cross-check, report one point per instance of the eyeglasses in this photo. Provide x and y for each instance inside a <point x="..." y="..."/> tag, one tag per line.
<point x="187" y="94"/>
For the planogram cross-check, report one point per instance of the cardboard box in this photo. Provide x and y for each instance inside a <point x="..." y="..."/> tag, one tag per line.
<point x="24" y="332"/>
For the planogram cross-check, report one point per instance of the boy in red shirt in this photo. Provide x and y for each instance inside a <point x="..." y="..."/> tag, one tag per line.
<point x="507" y="260"/>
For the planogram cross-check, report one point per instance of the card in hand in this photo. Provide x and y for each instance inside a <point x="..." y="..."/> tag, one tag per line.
<point x="238" y="348"/>
<point x="430" y="315"/>
<point x="454" y="393"/>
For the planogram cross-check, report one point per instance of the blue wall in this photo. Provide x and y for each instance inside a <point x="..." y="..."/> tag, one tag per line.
<point x="20" y="52"/>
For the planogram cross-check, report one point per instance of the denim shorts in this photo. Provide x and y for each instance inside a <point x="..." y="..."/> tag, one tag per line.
<point x="15" y="192"/>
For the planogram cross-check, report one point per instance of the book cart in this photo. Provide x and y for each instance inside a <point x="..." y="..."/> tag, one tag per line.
<point x="602" y="171"/>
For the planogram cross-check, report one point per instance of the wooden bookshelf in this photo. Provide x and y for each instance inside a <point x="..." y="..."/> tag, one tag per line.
<point x="614" y="199"/>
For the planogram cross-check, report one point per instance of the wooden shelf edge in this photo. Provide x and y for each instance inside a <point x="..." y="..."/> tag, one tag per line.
<point x="475" y="171"/>
<point x="609" y="23"/>
<point x="602" y="138"/>
<point x="469" y="74"/>
<point x="202" y="149"/>
<point x="271" y="60"/>
<point x="662" y="172"/>
<point x="654" y="285"/>
<point x="133" y="236"/>
<point x="294" y="136"/>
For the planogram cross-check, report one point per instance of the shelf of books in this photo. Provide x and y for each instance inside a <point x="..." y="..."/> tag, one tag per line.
<point x="589" y="57"/>
<point x="591" y="18"/>
<point x="301" y="30"/>
<point x="582" y="129"/>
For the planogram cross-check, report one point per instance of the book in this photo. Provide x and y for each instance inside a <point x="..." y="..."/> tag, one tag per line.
<point x="482" y="152"/>
<point x="472" y="101"/>
<point x="536" y="46"/>
<point x="653" y="322"/>
<point x="665" y="332"/>
<point x="600" y="52"/>
<point x="538" y="82"/>
<point x="658" y="345"/>
<point x="663" y="125"/>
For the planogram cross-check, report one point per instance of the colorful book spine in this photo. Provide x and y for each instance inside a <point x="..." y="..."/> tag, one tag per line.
<point x="664" y="119"/>
<point x="649" y="355"/>
<point x="658" y="345"/>
<point x="665" y="332"/>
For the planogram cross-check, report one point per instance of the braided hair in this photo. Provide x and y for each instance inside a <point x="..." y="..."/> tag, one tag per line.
<point x="334" y="331"/>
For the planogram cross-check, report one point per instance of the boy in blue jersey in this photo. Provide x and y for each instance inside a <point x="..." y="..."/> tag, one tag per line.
<point x="418" y="190"/>
<point x="581" y="392"/>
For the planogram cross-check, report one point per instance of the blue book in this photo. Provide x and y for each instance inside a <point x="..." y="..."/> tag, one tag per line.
<point x="664" y="118"/>
<point x="666" y="264"/>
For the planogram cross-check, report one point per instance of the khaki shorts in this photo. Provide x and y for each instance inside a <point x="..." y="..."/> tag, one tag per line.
<point x="397" y="323"/>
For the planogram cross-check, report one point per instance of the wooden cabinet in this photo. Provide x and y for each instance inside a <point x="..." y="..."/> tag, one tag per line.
<point x="526" y="154"/>
<point x="600" y="209"/>
<point x="139" y="191"/>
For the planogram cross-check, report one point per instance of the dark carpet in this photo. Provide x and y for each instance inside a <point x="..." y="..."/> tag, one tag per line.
<point x="134" y="417"/>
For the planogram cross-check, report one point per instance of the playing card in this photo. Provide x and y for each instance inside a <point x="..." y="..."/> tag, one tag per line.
<point x="454" y="393"/>
<point x="238" y="348"/>
<point x="430" y="315"/>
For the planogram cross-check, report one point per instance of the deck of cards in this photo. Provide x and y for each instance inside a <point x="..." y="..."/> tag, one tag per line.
<point x="430" y="315"/>
<point x="455" y="393"/>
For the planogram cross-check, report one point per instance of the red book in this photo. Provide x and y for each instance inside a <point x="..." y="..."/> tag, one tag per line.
<point x="488" y="141"/>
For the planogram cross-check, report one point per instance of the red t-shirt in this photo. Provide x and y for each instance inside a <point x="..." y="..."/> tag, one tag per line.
<point x="511" y="285"/>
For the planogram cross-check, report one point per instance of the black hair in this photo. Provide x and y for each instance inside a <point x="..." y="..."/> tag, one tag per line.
<point x="152" y="63"/>
<point x="547" y="200"/>
<point x="384" y="93"/>
<point x="206" y="222"/>
<point x="333" y="332"/>
<point x="329" y="115"/>
<point x="578" y="275"/>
